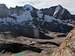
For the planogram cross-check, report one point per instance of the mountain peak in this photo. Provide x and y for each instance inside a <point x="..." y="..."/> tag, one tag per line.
<point x="59" y="6"/>
<point x="3" y="6"/>
<point x="28" y="7"/>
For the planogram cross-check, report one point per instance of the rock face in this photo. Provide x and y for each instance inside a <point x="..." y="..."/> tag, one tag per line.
<point x="22" y="20"/>
<point x="3" y="10"/>
<point x="60" y="13"/>
<point x="67" y="46"/>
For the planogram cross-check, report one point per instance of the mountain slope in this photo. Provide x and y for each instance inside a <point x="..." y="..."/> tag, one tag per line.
<point x="29" y="21"/>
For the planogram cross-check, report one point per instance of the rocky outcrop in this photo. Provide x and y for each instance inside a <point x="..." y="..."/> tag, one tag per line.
<point x="67" y="46"/>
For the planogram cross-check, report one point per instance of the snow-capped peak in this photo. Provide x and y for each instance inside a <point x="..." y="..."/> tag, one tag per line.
<point x="57" y="10"/>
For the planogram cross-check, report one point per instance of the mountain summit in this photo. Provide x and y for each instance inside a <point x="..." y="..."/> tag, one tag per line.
<point x="28" y="7"/>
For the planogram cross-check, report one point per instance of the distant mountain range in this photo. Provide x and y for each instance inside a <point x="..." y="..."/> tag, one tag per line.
<point x="29" y="21"/>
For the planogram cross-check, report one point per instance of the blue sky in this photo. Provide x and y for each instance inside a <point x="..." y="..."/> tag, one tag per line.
<point x="69" y="4"/>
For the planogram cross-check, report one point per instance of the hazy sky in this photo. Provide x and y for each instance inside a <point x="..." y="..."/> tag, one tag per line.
<point x="69" y="4"/>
